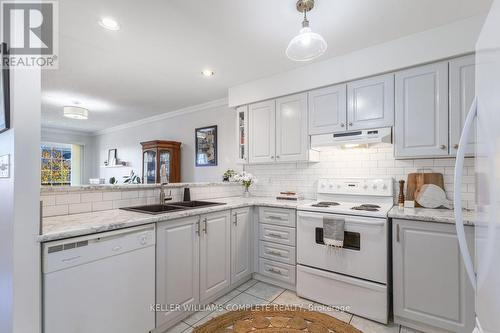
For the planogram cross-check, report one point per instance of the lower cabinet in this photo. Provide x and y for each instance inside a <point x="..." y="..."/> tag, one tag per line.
<point x="432" y="292"/>
<point x="215" y="254"/>
<point x="193" y="263"/>
<point x="241" y="245"/>
<point x="177" y="266"/>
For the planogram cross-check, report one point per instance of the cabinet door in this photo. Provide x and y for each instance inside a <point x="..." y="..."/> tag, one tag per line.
<point x="242" y="134"/>
<point x="421" y="127"/>
<point x="291" y="128"/>
<point x="177" y="266"/>
<point x="262" y="130"/>
<point x="462" y="92"/>
<point x="431" y="286"/>
<point x="215" y="254"/>
<point x="371" y="102"/>
<point x="327" y="110"/>
<point x="241" y="245"/>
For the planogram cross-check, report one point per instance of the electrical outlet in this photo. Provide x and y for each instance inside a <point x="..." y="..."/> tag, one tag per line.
<point x="5" y="166"/>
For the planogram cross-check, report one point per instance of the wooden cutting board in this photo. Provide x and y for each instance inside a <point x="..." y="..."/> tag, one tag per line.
<point x="416" y="180"/>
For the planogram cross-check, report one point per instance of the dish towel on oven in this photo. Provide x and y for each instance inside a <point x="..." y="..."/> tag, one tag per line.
<point x="333" y="231"/>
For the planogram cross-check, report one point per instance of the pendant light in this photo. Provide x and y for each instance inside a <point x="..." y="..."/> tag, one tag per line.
<point x="307" y="45"/>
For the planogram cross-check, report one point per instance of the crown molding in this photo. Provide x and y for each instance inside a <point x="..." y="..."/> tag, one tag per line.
<point x="67" y="131"/>
<point x="166" y="115"/>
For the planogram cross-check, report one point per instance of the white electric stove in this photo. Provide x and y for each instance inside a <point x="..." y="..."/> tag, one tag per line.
<point x="355" y="277"/>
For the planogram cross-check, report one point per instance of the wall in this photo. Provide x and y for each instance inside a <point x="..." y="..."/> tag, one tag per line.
<point x="89" y="166"/>
<point x="20" y="268"/>
<point x="177" y="126"/>
<point x="450" y="40"/>
<point x="376" y="161"/>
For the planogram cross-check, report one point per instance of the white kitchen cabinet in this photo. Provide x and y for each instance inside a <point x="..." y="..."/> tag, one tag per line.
<point x="292" y="139"/>
<point x="242" y="134"/>
<point x="462" y="92"/>
<point x="421" y="111"/>
<point x="370" y="103"/>
<point x="432" y="292"/>
<point x="241" y="245"/>
<point x="177" y="266"/>
<point x="327" y="110"/>
<point x="262" y="132"/>
<point x="215" y="253"/>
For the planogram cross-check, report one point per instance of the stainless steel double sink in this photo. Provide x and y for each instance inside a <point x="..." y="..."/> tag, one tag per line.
<point x="172" y="207"/>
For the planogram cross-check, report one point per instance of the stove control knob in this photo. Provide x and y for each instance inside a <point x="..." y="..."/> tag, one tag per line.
<point x="331" y="185"/>
<point x="385" y="187"/>
<point x="365" y="186"/>
<point x="322" y="185"/>
<point x="374" y="186"/>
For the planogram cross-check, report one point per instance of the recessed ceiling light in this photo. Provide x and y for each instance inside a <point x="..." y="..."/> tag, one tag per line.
<point x="76" y="112"/>
<point x="109" y="23"/>
<point x="208" y="72"/>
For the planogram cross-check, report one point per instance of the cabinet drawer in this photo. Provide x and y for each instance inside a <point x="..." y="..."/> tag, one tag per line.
<point x="277" y="234"/>
<point x="277" y="270"/>
<point x="278" y="252"/>
<point x="277" y="216"/>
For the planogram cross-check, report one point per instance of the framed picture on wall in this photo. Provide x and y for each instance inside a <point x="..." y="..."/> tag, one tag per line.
<point x="206" y="146"/>
<point x="112" y="159"/>
<point x="4" y="90"/>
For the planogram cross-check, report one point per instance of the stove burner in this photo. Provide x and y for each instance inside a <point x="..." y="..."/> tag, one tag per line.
<point x="325" y="204"/>
<point x="367" y="207"/>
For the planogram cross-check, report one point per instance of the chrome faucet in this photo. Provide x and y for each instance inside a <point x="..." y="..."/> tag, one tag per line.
<point x="164" y="197"/>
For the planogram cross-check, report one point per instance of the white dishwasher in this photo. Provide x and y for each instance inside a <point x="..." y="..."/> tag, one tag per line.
<point x="102" y="283"/>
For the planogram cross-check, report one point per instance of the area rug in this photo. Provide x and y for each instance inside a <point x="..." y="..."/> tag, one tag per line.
<point x="274" y="320"/>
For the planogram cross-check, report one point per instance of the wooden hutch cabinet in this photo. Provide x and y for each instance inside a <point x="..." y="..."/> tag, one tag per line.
<point x="161" y="162"/>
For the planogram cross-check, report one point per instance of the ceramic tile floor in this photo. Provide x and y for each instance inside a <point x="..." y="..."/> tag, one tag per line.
<point x="255" y="293"/>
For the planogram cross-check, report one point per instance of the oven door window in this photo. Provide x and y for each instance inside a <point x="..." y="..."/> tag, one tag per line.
<point x="352" y="240"/>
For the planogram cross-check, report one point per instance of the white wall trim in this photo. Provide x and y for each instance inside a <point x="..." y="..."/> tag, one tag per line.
<point x="167" y="115"/>
<point x="64" y="131"/>
<point x="443" y="42"/>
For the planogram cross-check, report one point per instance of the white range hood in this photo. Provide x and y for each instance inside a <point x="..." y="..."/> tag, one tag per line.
<point x="351" y="138"/>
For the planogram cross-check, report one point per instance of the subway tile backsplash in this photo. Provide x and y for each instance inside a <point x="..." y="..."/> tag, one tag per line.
<point x="375" y="161"/>
<point x="73" y="201"/>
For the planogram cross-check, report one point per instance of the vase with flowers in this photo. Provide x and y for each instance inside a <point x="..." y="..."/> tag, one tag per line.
<point x="247" y="179"/>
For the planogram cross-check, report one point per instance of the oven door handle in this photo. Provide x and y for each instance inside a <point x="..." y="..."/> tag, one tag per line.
<point x="371" y="221"/>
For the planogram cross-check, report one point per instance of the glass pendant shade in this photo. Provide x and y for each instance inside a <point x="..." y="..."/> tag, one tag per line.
<point x="306" y="46"/>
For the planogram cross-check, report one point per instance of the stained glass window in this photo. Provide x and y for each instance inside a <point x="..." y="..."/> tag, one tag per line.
<point x="56" y="164"/>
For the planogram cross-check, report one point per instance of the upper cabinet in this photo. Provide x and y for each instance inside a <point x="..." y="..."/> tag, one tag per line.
<point x="462" y="92"/>
<point x="370" y="103"/>
<point x="242" y="133"/>
<point x="421" y="122"/>
<point x="328" y="110"/>
<point x="261" y="125"/>
<point x="278" y="131"/>
<point x="292" y="140"/>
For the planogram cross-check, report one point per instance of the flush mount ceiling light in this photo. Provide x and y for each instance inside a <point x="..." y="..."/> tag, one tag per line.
<point x="76" y="112"/>
<point x="208" y="72"/>
<point x="109" y="23"/>
<point x="307" y="45"/>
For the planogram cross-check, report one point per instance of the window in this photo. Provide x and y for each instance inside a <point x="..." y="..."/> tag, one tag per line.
<point x="56" y="164"/>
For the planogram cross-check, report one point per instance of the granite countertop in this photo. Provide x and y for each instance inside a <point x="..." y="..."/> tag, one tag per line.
<point x="430" y="215"/>
<point x="67" y="226"/>
<point x="121" y="187"/>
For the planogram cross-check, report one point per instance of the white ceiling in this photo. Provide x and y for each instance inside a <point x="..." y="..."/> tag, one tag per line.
<point x="152" y="65"/>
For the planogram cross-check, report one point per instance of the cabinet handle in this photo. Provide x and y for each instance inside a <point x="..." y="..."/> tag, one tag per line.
<point x="455" y="146"/>
<point x="198" y="227"/>
<point x="277" y="157"/>
<point x="235" y="219"/>
<point x="275" y="235"/>
<point x="397" y="233"/>
<point x="274" y="217"/>
<point x="350" y="124"/>
<point x="274" y="271"/>
<point x="205" y="226"/>
<point x="274" y="253"/>
<point x="342" y="125"/>
<point x="442" y="147"/>
<point x="272" y="157"/>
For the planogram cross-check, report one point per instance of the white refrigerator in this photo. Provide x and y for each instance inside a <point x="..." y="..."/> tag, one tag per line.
<point x="484" y="269"/>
